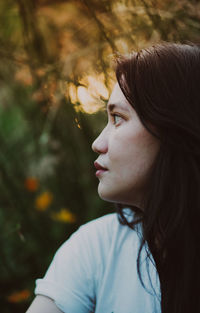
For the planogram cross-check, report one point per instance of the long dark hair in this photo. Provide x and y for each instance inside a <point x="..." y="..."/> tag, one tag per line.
<point x="162" y="83"/>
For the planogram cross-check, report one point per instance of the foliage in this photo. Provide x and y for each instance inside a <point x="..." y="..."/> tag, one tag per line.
<point x="55" y="76"/>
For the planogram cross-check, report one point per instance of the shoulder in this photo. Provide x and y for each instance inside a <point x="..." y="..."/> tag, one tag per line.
<point x="100" y="227"/>
<point x="97" y="238"/>
<point x="106" y="227"/>
<point x="90" y="233"/>
<point x="98" y="241"/>
<point x="103" y="224"/>
<point x="95" y="233"/>
<point x="104" y="235"/>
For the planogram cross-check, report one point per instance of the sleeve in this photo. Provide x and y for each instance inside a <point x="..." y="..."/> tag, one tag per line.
<point x="70" y="278"/>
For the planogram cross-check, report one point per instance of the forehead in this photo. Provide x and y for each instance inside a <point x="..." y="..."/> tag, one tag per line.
<point x="117" y="95"/>
<point x="117" y="99"/>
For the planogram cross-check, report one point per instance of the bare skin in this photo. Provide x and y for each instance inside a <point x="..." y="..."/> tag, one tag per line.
<point x="42" y="304"/>
<point x="127" y="150"/>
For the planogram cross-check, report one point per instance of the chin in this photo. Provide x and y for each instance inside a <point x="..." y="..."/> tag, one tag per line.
<point x="117" y="196"/>
<point x="108" y="195"/>
<point x="104" y="194"/>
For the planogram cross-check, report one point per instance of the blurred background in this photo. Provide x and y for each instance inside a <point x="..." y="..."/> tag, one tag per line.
<point x="56" y="74"/>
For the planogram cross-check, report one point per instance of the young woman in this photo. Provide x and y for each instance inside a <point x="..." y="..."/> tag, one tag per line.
<point x="144" y="258"/>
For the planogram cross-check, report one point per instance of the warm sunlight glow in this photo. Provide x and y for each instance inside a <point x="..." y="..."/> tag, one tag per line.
<point x="84" y="96"/>
<point x="88" y="102"/>
<point x="96" y="86"/>
<point x="94" y="93"/>
<point x="90" y="96"/>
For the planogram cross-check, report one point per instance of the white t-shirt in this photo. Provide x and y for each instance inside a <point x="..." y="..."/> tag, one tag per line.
<point x="95" y="270"/>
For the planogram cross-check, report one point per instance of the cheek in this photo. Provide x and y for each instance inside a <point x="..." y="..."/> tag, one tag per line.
<point x="133" y="152"/>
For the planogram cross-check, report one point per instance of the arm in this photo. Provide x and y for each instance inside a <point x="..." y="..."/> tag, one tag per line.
<point x="43" y="304"/>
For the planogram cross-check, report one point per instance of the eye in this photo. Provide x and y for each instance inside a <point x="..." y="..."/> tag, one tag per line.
<point x="116" y="118"/>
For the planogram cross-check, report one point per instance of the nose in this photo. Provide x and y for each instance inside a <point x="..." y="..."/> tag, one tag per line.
<point x="100" y="144"/>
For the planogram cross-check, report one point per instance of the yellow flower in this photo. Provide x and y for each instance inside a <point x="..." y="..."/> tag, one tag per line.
<point x="43" y="201"/>
<point x="64" y="216"/>
<point x="19" y="296"/>
<point x="31" y="184"/>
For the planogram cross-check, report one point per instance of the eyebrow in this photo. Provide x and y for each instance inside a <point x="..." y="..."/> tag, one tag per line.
<point x="112" y="106"/>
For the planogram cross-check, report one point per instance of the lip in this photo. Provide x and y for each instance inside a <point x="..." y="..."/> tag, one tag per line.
<point x="100" y="169"/>
<point x="99" y="166"/>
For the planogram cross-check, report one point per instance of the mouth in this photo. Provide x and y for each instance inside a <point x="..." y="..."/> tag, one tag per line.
<point x="100" y="169"/>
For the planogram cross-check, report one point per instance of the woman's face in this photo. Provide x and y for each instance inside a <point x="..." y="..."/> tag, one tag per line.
<point x="127" y="150"/>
